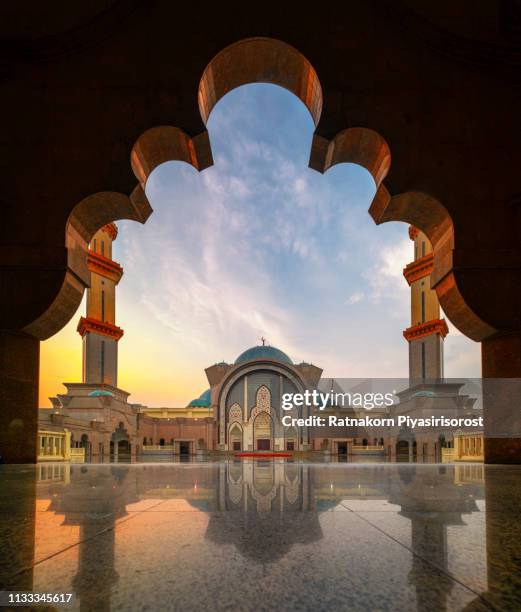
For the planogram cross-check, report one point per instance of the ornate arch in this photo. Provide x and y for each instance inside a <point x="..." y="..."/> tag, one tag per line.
<point x="237" y="373"/>
<point x="235" y="434"/>
<point x="235" y="413"/>
<point x="262" y="401"/>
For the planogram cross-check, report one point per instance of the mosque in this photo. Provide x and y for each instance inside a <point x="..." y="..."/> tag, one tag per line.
<point x="241" y="409"/>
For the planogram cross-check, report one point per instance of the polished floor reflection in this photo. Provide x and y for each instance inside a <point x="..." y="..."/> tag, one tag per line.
<point x="264" y="535"/>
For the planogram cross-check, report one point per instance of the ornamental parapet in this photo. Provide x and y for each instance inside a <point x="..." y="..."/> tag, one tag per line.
<point x="104" y="266"/>
<point x="88" y="324"/>
<point x="436" y="326"/>
<point x="413" y="232"/>
<point x="419" y="268"/>
<point x="111" y="230"/>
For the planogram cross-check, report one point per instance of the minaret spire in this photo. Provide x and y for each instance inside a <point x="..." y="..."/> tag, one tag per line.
<point x="98" y="329"/>
<point x="428" y="330"/>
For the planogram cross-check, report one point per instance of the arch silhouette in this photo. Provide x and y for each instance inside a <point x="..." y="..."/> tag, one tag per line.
<point x="255" y="60"/>
<point x="260" y="60"/>
<point x="430" y="216"/>
<point x="86" y="218"/>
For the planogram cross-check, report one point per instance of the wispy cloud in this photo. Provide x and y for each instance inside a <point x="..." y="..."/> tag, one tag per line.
<point x="260" y="245"/>
<point x="354" y="298"/>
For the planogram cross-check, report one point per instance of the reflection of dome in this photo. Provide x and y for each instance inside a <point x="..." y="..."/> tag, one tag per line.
<point x="203" y="401"/>
<point x="101" y="393"/>
<point x="263" y="352"/>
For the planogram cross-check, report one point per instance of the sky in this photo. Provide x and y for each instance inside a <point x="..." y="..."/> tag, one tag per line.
<point x="258" y="245"/>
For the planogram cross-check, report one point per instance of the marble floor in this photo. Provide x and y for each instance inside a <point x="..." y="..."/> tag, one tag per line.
<point x="264" y="535"/>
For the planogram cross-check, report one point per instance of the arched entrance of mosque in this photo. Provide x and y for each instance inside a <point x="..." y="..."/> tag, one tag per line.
<point x="120" y="446"/>
<point x="263" y="432"/>
<point x="235" y="437"/>
<point x="402" y="450"/>
<point x="84" y="443"/>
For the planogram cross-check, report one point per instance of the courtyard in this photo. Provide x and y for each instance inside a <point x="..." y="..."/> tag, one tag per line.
<point x="264" y="534"/>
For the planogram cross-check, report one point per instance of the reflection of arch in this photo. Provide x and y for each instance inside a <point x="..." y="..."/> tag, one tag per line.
<point x="264" y="489"/>
<point x="235" y="437"/>
<point x="263" y="431"/>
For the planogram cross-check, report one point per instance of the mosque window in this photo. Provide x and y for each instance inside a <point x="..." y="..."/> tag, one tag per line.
<point x="263" y="398"/>
<point x="94" y="245"/>
<point x="235" y="412"/>
<point x="423" y="248"/>
<point x="103" y="247"/>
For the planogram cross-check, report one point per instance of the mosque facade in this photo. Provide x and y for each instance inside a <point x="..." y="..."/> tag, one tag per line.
<point x="241" y="410"/>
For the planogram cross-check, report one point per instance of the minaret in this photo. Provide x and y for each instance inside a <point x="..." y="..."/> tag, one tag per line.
<point x="427" y="331"/>
<point x="98" y="329"/>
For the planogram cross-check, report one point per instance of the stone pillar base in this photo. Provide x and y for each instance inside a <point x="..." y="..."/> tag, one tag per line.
<point x="503" y="450"/>
<point x="19" y="374"/>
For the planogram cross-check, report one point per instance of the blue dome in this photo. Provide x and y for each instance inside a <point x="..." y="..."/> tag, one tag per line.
<point x="263" y="352"/>
<point x="101" y="393"/>
<point x="203" y="401"/>
<point x="424" y="394"/>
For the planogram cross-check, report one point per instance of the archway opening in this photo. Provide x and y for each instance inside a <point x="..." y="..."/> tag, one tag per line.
<point x="263" y="432"/>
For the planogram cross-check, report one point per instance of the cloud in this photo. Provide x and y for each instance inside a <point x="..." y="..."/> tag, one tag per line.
<point x="385" y="276"/>
<point x="260" y="245"/>
<point x="354" y="298"/>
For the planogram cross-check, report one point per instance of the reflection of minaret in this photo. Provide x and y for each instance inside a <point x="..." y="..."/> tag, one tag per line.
<point x="427" y="331"/>
<point x="95" y="500"/>
<point x="96" y="574"/>
<point x="98" y="329"/>
<point x="431" y="501"/>
<point x="429" y="540"/>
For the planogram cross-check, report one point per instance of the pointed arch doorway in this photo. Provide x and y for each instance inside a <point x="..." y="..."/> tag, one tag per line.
<point x="263" y="432"/>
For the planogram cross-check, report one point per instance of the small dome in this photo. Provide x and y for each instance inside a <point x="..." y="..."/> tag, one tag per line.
<point x="101" y="393"/>
<point x="263" y="352"/>
<point x="424" y="394"/>
<point x="203" y="401"/>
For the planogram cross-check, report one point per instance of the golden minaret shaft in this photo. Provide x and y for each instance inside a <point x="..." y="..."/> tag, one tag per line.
<point x="98" y="329"/>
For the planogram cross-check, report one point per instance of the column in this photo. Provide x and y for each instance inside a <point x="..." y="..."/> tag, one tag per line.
<point x="19" y="378"/>
<point x="501" y="359"/>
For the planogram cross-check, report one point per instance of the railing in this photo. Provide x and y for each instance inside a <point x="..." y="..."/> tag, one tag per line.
<point x="78" y="455"/>
<point x="54" y="445"/>
<point x="158" y="447"/>
<point x="448" y="455"/>
<point x="368" y="447"/>
<point x="467" y="474"/>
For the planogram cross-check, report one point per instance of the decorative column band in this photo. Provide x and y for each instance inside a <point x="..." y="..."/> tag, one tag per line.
<point x="111" y="230"/>
<point x="413" y="232"/>
<point x="436" y="326"/>
<point x="104" y="266"/>
<point x="419" y="268"/>
<point x="88" y="324"/>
